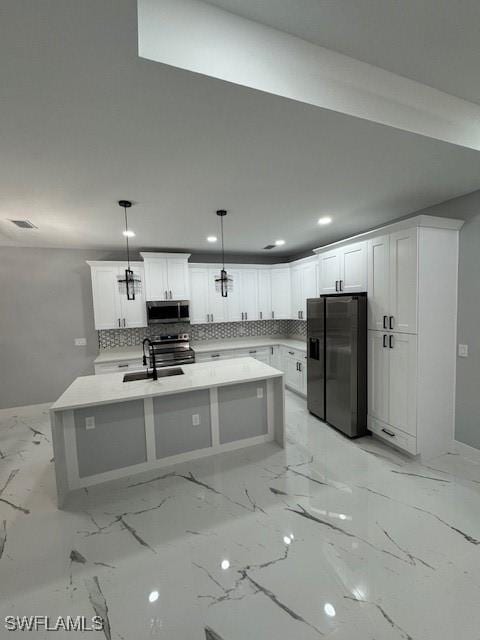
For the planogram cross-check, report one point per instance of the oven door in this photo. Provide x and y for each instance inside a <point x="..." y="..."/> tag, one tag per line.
<point x="163" y="312"/>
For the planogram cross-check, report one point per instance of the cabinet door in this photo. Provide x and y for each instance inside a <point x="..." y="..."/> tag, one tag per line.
<point x="249" y="302"/>
<point x="309" y="285"/>
<point x="378" y="375"/>
<point x="177" y="279"/>
<point x="403" y="382"/>
<point x="234" y="310"/>
<point x="134" y="312"/>
<point x="276" y="358"/>
<point x="330" y="275"/>
<point x="379" y="282"/>
<point x="156" y="282"/>
<point x="199" y="295"/>
<point x="217" y="306"/>
<point x="297" y="292"/>
<point x="292" y="378"/>
<point x="403" y="280"/>
<point x="264" y="294"/>
<point x="281" y="301"/>
<point x="106" y="300"/>
<point x="353" y="268"/>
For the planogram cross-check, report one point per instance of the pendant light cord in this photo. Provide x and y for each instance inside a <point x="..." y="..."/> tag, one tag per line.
<point x="126" y="235"/>
<point x="223" y="247"/>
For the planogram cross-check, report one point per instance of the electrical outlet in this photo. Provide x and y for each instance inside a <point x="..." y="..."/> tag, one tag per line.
<point x="195" y="419"/>
<point x="463" y="350"/>
<point x="80" y="342"/>
<point x="259" y="392"/>
<point x="90" y="422"/>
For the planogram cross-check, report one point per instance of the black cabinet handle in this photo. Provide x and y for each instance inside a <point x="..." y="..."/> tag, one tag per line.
<point x="390" y="322"/>
<point x="121" y="366"/>
<point x="390" y="342"/>
<point x="389" y="433"/>
<point x="341" y="285"/>
<point x="300" y="367"/>
<point x="336" y="285"/>
<point x="215" y="355"/>
<point x="384" y="340"/>
<point x="255" y="351"/>
<point x="292" y="353"/>
<point x="385" y="321"/>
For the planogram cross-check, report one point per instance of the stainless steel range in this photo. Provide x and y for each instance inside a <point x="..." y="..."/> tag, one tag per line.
<point x="169" y="350"/>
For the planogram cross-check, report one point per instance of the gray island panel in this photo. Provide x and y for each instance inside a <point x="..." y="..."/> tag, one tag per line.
<point x="173" y="419"/>
<point x="117" y="441"/>
<point x="241" y="412"/>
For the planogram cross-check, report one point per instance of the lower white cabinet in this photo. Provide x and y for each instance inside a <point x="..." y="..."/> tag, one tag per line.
<point x="392" y="385"/>
<point x="120" y="365"/>
<point x="111" y="308"/>
<point x="260" y="353"/>
<point x="294" y="366"/>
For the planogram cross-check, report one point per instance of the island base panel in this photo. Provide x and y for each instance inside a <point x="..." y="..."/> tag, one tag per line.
<point x="242" y="411"/>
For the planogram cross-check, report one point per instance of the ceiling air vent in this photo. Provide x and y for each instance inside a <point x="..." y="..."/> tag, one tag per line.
<point x="269" y="246"/>
<point x="24" y="224"/>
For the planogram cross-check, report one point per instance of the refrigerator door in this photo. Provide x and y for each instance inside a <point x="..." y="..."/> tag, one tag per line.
<point x="316" y="356"/>
<point x="345" y="363"/>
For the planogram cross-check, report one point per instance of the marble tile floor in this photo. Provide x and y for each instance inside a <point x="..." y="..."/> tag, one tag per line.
<point x="328" y="538"/>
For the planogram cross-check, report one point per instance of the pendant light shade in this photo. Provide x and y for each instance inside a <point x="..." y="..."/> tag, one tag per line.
<point x="128" y="284"/>
<point x="223" y="282"/>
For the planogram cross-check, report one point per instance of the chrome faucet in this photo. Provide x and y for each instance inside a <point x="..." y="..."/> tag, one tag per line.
<point x="152" y="351"/>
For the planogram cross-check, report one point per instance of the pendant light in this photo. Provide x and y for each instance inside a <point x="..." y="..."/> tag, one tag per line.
<point x="223" y="282"/>
<point x="129" y="284"/>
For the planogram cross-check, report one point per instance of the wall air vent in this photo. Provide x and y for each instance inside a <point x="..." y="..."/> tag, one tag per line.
<point x="24" y="224"/>
<point x="269" y="246"/>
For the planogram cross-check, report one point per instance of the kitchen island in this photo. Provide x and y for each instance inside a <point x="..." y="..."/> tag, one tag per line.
<point x="104" y="428"/>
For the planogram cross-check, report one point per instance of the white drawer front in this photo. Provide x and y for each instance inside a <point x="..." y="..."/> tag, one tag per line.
<point x="392" y="435"/>
<point x="120" y="365"/>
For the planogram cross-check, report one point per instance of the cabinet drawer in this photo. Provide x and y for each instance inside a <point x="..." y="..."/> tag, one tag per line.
<point x="119" y="366"/>
<point x="393" y="435"/>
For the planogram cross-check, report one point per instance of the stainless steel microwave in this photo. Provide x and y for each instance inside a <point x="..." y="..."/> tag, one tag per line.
<point x="168" y="312"/>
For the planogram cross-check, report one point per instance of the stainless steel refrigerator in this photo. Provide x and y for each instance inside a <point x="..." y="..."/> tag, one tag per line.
<point x="337" y="361"/>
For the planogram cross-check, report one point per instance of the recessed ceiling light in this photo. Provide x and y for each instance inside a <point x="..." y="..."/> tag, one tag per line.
<point x="211" y="238"/>
<point x="128" y="233"/>
<point x="279" y="243"/>
<point x="325" y="220"/>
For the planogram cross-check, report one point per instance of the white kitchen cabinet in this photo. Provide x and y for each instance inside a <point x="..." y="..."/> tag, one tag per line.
<point x="344" y="270"/>
<point x="403" y="281"/>
<point x="276" y="360"/>
<point x="402" y="349"/>
<point x="281" y="293"/>
<point x="329" y="270"/>
<point x="378" y="375"/>
<point x="264" y="294"/>
<point x="393" y="382"/>
<point x="294" y="367"/>
<point x="304" y="286"/>
<point x="242" y="300"/>
<point x="111" y="308"/>
<point x="166" y="276"/>
<point x="378" y="282"/>
<point x="120" y="366"/>
<point x="392" y="281"/>
<point x="206" y="303"/>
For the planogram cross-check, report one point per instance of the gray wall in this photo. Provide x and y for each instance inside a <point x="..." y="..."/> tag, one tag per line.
<point x="467" y="429"/>
<point x="46" y="302"/>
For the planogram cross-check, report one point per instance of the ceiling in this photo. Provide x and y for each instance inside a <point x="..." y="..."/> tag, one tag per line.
<point x="435" y="42"/>
<point x="85" y="122"/>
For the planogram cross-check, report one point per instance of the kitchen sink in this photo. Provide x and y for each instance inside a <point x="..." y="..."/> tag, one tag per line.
<point x="147" y="375"/>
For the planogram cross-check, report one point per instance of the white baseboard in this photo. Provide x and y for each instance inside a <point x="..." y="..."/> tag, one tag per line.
<point x="466" y="451"/>
<point x="25" y="411"/>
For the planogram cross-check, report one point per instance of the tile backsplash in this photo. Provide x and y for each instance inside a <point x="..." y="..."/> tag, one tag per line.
<point x="109" y="338"/>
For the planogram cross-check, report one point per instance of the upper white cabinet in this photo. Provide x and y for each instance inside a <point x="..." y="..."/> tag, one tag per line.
<point x="344" y="270"/>
<point x="166" y="276"/>
<point x="264" y="294"/>
<point x="303" y="286"/>
<point x="111" y="308"/>
<point x="206" y="303"/>
<point x="392" y="281"/>
<point x="242" y="302"/>
<point x="281" y="293"/>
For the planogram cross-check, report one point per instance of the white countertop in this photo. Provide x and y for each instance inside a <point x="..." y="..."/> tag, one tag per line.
<point x="94" y="390"/>
<point x="203" y="346"/>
